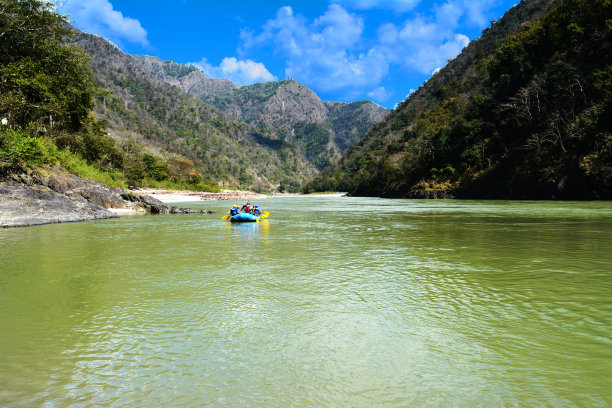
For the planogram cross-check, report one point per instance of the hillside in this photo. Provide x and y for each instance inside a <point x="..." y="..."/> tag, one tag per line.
<point x="522" y="112"/>
<point x="279" y="112"/>
<point x="259" y="137"/>
<point x="140" y="109"/>
<point x="289" y="112"/>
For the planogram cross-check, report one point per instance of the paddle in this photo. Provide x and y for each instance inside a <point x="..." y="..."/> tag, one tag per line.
<point x="226" y="217"/>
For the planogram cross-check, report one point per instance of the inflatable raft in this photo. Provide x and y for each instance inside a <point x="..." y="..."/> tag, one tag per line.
<point x="244" y="217"/>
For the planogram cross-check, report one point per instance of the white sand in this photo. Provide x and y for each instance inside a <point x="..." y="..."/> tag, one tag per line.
<point x="168" y="196"/>
<point x="124" y="211"/>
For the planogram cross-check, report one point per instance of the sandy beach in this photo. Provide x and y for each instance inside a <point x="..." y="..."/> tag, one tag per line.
<point x="170" y="196"/>
<point x="182" y="196"/>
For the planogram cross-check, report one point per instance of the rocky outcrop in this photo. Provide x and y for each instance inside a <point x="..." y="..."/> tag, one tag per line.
<point x="155" y="206"/>
<point x="52" y="195"/>
<point x="61" y="181"/>
<point x="187" y="77"/>
<point x="150" y="204"/>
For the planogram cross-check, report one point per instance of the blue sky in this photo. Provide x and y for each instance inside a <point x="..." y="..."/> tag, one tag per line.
<point x="345" y="50"/>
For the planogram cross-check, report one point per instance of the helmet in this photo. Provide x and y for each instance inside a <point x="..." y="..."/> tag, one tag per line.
<point x="256" y="206"/>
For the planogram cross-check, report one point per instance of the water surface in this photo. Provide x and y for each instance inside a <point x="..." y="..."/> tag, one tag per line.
<point x="332" y="302"/>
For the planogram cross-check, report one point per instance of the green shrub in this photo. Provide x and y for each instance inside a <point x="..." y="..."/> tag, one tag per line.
<point x="20" y="151"/>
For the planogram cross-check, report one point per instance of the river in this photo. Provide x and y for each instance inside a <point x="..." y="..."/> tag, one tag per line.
<point x="333" y="302"/>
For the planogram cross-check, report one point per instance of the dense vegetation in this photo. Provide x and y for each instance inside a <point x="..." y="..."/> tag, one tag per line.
<point x="524" y="112"/>
<point x="46" y="99"/>
<point x="44" y="84"/>
<point x="313" y="139"/>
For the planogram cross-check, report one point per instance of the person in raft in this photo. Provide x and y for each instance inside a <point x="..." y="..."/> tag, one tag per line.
<point x="234" y="210"/>
<point x="246" y="207"/>
<point x="256" y="211"/>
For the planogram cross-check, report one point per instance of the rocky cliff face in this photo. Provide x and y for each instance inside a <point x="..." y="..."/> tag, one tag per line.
<point x="288" y="111"/>
<point x="188" y="78"/>
<point x="289" y="102"/>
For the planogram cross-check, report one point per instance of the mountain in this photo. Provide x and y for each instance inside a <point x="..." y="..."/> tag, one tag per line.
<point x="140" y="110"/>
<point x="186" y="77"/>
<point x="289" y="112"/>
<point x="278" y="111"/>
<point x="523" y="112"/>
<point x="260" y="136"/>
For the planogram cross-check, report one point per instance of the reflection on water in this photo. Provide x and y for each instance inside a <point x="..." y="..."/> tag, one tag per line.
<point x="332" y="302"/>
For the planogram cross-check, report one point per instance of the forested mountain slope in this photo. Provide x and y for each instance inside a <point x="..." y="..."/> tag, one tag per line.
<point x="137" y="106"/>
<point x="258" y="136"/>
<point x="279" y="112"/>
<point x="522" y="112"/>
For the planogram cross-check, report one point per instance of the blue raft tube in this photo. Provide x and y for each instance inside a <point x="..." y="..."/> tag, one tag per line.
<point x="245" y="217"/>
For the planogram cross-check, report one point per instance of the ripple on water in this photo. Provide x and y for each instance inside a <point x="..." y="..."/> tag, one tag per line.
<point x="352" y="302"/>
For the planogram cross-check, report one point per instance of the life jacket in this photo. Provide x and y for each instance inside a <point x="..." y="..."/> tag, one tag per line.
<point x="256" y="211"/>
<point x="247" y="208"/>
<point x="233" y="211"/>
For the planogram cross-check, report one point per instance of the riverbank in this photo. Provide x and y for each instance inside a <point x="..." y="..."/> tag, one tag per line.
<point x="240" y="196"/>
<point x="179" y="196"/>
<point x="52" y="194"/>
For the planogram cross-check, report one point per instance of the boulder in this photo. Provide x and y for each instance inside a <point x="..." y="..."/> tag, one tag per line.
<point x="53" y="194"/>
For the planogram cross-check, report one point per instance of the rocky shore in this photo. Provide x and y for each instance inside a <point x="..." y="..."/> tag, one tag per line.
<point x="52" y="195"/>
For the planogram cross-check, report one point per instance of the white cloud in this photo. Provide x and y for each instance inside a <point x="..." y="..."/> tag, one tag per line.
<point x="423" y="43"/>
<point x="239" y="72"/>
<point x="294" y="34"/>
<point x="476" y="11"/>
<point x="388" y="33"/>
<point x="325" y="53"/>
<point x="400" y="6"/>
<point x="338" y="27"/>
<point x="380" y="94"/>
<point x="99" y="17"/>
<point x="330" y="53"/>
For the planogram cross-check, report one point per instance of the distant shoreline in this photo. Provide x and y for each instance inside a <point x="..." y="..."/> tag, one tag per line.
<point x="182" y="196"/>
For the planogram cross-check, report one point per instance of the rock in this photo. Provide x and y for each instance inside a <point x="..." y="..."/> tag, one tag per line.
<point x="52" y="194"/>
<point x="23" y="205"/>
<point x="178" y="210"/>
<point x="155" y="206"/>
<point x="151" y="204"/>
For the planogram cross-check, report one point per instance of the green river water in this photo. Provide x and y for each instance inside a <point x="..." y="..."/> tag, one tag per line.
<point x="333" y="302"/>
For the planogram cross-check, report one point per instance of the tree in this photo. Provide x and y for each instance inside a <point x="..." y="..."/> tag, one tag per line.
<point x="42" y="80"/>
